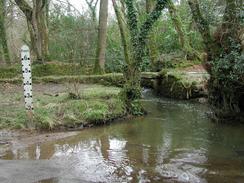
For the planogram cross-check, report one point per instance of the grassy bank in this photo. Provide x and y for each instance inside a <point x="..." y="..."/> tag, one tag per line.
<point x="56" y="107"/>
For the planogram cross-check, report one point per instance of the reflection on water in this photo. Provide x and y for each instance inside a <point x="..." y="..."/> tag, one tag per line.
<point x="175" y="142"/>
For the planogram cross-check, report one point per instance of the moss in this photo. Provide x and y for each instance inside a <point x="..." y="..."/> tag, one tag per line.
<point x="181" y="85"/>
<point x="56" y="69"/>
<point x="60" y="73"/>
<point x="106" y="79"/>
<point x="41" y="70"/>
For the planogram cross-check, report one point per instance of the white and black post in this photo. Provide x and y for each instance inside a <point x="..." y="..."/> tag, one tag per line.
<point x="27" y="80"/>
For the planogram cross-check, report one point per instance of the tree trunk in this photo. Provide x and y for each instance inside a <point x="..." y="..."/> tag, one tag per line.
<point x="226" y="84"/>
<point x="3" y="36"/>
<point x="152" y="46"/>
<point x="131" y="92"/>
<point x="122" y="32"/>
<point x="183" y="39"/>
<point x="102" y="37"/>
<point x="37" y="31"/>
<point x="210" y="47"/>
<point x="37" y="25"/>
<point x="41" y="19"/>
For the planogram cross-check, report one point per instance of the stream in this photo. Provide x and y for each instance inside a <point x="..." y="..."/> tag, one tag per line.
<point x="175" y="142"/>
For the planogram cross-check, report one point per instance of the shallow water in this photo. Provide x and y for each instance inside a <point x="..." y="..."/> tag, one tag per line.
<point x="175" y="142"/>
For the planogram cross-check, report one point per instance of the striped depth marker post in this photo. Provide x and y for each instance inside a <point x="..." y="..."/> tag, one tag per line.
<point x="27" y="81"/>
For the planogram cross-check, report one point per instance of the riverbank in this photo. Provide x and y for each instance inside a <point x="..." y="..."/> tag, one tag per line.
<point x="64" y="99"/>
<point x="179" y="83"/>
<point x="182" y="84"/>
<point x="61" y="106"/>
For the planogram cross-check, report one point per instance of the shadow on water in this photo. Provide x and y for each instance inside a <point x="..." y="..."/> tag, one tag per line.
<point x="175" y="142"/>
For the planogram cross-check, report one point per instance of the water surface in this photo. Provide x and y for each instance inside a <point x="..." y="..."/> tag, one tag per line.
<point x="175" y="142"/>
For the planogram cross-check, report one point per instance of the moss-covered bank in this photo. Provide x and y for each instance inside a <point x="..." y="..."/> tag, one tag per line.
<point x="55" y="106"/>
<point x="40" y="70"/>
<point x="174" y="83"/>
<point x="111" y="79"/>
<point x="181" y="85"/>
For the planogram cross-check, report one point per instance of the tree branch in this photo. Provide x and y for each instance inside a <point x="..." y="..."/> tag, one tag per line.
<point x="210" y="47"/>
<point x="152" y="18"/>
<point x="44" y="2"/>
<point x="25" y="8"/>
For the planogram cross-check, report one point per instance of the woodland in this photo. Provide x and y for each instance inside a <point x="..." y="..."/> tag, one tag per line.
<point x="121" y="91"/>
<point x="130" y="37"/>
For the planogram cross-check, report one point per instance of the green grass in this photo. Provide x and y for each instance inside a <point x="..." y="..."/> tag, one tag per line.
<point x="97" y="105"/>
<point x="10" y="72"/>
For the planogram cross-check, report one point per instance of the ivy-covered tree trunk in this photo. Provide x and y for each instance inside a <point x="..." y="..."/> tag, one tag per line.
<point x="190" y="52"/>
<point x="3" y="36"/>
<point x="131" y="92"/>
<point x="36" y="17"/>
<point x="102" y="37"/>
<point x="211" y="48"/>
<point x="224" y="61"/>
